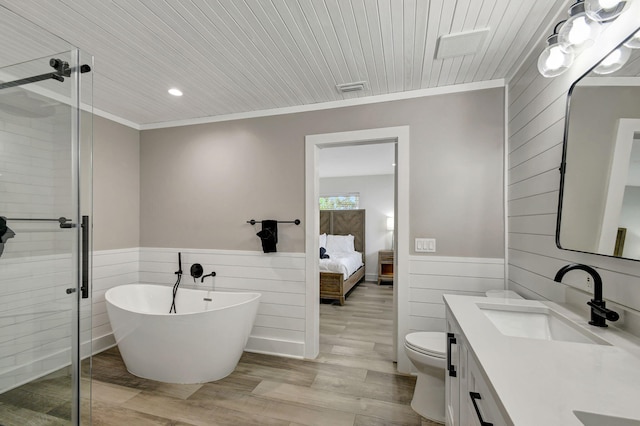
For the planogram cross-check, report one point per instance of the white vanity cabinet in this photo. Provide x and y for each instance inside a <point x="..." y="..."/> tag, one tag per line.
<point x="469" y="400"/>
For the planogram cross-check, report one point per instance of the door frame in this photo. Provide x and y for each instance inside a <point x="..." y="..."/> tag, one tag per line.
<point x="313" y="143"/>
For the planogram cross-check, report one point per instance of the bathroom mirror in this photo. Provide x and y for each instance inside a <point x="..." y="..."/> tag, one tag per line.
<point x="599" y="207"/>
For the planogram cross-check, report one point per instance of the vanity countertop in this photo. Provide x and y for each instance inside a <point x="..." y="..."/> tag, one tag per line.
<point x="541" y="382"/>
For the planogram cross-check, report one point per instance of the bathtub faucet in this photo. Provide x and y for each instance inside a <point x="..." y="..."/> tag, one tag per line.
<point x="213" y="274"/>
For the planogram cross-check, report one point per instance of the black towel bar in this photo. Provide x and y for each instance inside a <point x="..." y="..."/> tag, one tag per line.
<point x="61" y="220"/>
<point x="297" y="221"/>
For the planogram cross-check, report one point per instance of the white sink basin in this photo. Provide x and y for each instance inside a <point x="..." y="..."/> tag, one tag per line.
<point x="593" y="419"/>
<point x="536" y="322"/>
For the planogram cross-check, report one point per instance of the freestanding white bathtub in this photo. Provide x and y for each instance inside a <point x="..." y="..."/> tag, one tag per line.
<point x="200" y="343"/>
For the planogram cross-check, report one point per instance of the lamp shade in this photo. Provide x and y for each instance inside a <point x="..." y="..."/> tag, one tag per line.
<point x="390" y="223"/>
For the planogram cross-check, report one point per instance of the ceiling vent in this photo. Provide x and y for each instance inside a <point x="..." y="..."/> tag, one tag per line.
<point x="461" y="44"/>
<point x="351" y="87"/>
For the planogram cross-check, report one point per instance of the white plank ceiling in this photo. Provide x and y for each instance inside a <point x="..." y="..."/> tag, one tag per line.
<point x="234" y="56"/>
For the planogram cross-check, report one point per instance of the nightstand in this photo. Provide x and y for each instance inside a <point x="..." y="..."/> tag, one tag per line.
<point x="385" y="266"/>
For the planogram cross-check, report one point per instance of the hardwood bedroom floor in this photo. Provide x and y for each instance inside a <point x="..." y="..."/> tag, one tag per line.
<point x="352" y="382"/>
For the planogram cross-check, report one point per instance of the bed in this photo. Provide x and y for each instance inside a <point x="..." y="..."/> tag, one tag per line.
<point x="336" y="281"/>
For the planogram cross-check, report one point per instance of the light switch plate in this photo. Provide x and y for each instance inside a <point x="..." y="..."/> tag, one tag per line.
<point x="426" y="245"/>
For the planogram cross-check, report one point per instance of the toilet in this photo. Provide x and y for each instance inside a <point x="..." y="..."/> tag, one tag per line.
<point x="428" y="353"/>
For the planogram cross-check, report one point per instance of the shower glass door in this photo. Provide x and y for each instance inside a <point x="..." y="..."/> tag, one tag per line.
<point x="45" y="190"/>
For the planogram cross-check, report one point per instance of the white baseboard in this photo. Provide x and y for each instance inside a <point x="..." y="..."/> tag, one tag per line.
<point x="102" y="343"/>
<point x="277" y="347"/>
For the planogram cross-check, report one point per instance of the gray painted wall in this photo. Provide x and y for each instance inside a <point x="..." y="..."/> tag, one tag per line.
<point x="201" y="183"/>
<point x="116" y="176"/>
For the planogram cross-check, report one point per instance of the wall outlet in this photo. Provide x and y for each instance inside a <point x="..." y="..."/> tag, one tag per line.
<point x="425" y="245"/>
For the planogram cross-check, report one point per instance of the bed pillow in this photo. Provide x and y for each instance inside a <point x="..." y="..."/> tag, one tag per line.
<point x="323" y="240"/>
<point x="340" y="243"/>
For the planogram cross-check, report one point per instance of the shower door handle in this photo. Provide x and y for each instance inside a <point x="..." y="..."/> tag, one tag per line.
<point x="84" y="285"/>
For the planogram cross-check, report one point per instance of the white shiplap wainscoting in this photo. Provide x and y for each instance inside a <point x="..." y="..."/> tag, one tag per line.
<point x="35" y="336"/>
<point x="280" y="278"/>
<point x="36" y="267"/>
<point x="111" y="268"/>
<point x="536" y="109"/>
<point x="430" y="277"/>
<point x="35" y="325"/>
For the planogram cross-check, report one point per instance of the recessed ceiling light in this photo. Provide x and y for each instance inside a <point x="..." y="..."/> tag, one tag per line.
<point x="175" y="92"/>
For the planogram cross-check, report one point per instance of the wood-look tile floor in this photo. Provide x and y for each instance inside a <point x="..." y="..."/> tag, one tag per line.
<point x="352" y="382"/>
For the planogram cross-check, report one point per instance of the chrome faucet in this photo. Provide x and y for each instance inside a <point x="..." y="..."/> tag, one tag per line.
<point x="599" y="313"/>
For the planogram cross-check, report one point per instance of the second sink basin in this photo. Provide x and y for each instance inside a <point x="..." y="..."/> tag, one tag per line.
<point x="536" y="322"/>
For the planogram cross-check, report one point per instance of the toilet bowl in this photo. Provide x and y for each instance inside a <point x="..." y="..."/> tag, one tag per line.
<point x="428" y="353"/>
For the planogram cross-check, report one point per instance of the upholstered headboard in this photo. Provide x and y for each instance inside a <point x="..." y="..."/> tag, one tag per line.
<point x="345" y="222"/>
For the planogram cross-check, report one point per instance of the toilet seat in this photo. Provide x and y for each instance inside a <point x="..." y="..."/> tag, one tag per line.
<point x="433" y="344"/>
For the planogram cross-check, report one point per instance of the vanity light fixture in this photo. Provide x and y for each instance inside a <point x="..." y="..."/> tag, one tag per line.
<point x="580" y="31"/>
<point x="614" y="61"/>
<point x="175" y="92"/>
<point x="554" y="60"/>
<point x="604" y="10"/>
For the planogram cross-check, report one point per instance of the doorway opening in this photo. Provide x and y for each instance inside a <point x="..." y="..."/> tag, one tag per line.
<point x="357" y="184"/>
<point x="399" y="136"/>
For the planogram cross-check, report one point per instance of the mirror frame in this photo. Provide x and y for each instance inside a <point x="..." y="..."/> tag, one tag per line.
<point x="563" y="164"/>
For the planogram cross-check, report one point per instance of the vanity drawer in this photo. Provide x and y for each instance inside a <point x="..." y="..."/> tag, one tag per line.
<point x="480" y="403"/>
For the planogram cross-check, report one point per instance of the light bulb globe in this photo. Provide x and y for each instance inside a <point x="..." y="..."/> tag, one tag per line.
<point x="634" y="41"/>
<point x="579" y="31"/>
<point x="614" y="61"/>
<point x="605" y="10"/>
<point x="553" y="60"/>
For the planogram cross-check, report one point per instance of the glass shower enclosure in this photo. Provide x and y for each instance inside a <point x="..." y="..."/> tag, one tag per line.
<point x="45" y="240"/>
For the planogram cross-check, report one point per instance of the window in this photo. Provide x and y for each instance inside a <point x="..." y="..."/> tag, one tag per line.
<point x="340" y="202"/>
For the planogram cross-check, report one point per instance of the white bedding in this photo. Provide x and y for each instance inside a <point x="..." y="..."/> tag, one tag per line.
<point x="347" y="263"/>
